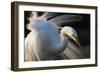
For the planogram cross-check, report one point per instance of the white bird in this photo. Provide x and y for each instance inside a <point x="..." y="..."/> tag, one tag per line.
<point x="45" y="43"/>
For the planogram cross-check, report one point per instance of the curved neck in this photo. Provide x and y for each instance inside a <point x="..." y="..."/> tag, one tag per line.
<point x="64" y="41"/>
<point x="62" y="44"/>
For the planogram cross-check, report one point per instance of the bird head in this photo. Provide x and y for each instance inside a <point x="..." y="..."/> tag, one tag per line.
<point x="71" y="34"/>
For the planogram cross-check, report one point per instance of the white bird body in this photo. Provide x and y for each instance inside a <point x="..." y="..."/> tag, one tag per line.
<point x="45" y="43"/>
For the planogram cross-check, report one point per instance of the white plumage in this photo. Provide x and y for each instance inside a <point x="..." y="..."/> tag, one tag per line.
<point x="45" y="43"/>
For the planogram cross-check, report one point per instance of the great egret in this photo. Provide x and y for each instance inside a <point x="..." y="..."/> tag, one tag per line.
<point x="45" y="43"/>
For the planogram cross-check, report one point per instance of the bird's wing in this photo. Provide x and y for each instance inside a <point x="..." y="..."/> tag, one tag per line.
<point x="49" y="15"/>
<point x="72" y="51"/>
<point x="67" y="19"/>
